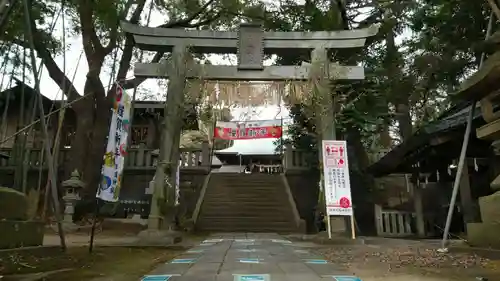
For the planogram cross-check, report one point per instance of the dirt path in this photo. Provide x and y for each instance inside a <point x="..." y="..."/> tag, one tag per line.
<point x="82" y="239"/>
<point x="417" y="262"/>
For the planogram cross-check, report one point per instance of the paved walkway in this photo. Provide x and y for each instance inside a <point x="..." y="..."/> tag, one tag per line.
<point x="249" y="257"/>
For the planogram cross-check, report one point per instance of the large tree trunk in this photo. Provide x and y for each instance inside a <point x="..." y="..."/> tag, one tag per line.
<point x="89" y="145"/>
<point x="80" y="145"/>
<point x="385" y="136"/>
<point x="399" y="95"/>
<point x="97" y="147"/>
<point x="404" y="119"/>
<point x="362" y="184"/>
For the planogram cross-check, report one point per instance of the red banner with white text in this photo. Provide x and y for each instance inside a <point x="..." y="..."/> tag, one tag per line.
<point x="238" y="130"/>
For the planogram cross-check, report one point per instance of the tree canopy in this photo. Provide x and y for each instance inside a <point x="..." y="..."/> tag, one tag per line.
<point x="423" y="51"/>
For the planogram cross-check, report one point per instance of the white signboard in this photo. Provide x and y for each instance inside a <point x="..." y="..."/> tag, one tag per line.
<point x="336" y="175"/>
<point x="116" y="149"/>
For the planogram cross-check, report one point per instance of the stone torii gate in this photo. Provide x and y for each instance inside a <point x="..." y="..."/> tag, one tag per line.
<point x="250" y="43"/>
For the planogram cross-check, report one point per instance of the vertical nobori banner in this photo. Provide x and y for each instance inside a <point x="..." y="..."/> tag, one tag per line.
<point x="116" y="149"/>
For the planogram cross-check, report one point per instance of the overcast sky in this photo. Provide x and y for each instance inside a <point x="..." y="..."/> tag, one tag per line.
<point x="76" y="66"/>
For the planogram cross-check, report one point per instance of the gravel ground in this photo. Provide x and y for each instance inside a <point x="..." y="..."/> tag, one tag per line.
<point x="411" y="263"/>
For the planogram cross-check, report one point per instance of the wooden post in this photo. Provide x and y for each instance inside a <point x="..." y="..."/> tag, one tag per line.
<point x="170" y="137"/>
<point x="378" y="220"/>
<point x="205" y="155"/>
<point x="419" y="209"/>
<point x="468" y="210"/>
<point x="288" y="161"/>
<point x="139" y="157"/>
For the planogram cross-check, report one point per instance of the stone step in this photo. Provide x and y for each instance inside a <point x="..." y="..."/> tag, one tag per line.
<point x="250" y="196"/>
<point x="239" y="223"/>
<point x="240" y="189"/>
<point x="267" y="206"/>
<point x="263" y="217"/>
<point x="229" y="184"/>
<point x="233" y="184"/>
<point x="247" y="204"/>
<point x="255" y="203"/>
<point x="256" y="218"/>
<point x="242" y="202"/>
<point x="252" y="181"/>
<point x="251" y="229"/>
<point x="247" y="212"/>
<point x="244" y="226"/>
<point x="246" y="176"/>
<point x="236" y="191"/>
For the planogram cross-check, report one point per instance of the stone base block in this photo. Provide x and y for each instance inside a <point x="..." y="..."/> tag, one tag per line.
<point x="484" y="235"/>
<point x="15" y="234"/>
<point x="302" y="227"/>
<point x="322" y="238"/>
<point x="150" y="237"/>
<point x="490" y="208"/>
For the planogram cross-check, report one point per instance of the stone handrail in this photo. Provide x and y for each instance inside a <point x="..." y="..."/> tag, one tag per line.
<point x="201" y="197"/>
<point x="295" y="159"/>
<point x="291" y="200"/>
<point x="137" y="158"/>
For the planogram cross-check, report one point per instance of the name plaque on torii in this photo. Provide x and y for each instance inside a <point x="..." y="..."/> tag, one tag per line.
<point x="250" y="43"/>
<point x="250" y="47"/>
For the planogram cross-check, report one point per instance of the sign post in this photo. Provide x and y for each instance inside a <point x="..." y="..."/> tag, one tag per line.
<point x="337" y="183"/>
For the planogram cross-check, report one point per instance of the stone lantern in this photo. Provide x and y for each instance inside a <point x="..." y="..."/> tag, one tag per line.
<point x="72" y="188"/>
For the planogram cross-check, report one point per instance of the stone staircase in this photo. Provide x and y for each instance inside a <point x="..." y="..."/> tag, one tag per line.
<point x="248" y="203"/>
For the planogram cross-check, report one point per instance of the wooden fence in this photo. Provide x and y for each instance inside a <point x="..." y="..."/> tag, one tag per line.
<point x="393" y="223"/>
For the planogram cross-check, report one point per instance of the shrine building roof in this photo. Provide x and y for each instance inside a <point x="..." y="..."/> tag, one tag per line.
<point x="437" y="142"/>
<point x="481" y="83"/>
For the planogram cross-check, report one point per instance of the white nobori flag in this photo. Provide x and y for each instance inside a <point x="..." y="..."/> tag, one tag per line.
<point x="116" y="149"/>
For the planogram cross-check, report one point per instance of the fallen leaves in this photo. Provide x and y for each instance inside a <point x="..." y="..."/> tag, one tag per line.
<point x="389" y="258"/>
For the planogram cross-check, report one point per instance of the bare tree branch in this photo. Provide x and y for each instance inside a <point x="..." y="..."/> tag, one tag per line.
<point x="134" y="19"/>
<point x="91" y="43"/>
<point x="59" y="77"/>
<point x="129" y="44"/>
<point x="187" y="22"/>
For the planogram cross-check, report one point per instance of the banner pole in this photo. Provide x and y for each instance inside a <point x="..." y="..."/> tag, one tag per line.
<point x="353" y="230"/>
<point x="92" y="231"/>
<point x="328" y="225"/>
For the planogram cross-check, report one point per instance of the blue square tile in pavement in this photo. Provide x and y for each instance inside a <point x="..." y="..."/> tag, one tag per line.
<point x="313" y="261"/>
<point x="156" y="277"/>
<point x="346" y="278"/>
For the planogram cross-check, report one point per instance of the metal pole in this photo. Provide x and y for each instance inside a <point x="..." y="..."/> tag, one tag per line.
<point x="94" y="221"/>
<point x="456" y="184"/>
<point x="463" y="152"/>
